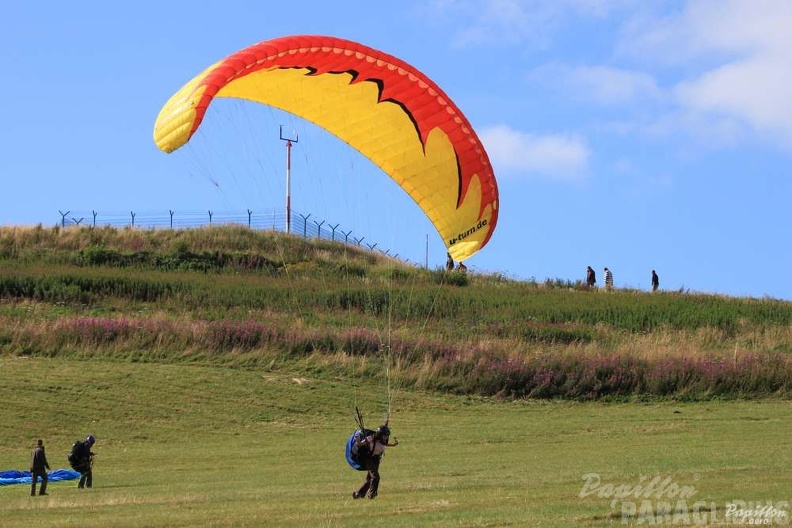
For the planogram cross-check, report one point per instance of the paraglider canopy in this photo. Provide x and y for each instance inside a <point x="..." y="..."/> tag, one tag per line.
<point x="380" y="105"/>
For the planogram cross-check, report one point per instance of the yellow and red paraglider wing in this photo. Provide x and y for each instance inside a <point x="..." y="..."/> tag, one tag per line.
<point x="378" y="104"/>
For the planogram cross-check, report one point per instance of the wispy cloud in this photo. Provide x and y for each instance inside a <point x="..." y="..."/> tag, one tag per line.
<point x="560" y="157"/>
<point x="721" y="70"/>
<point x="736" y="59"/>
<point x="600" y="84"/>
<point x="709" y="29"/>
<point x="516" y="21"/>
<point x="754" y="92"/>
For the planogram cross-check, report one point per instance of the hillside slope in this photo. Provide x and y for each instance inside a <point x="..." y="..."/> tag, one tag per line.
<point x="232" y="296"/>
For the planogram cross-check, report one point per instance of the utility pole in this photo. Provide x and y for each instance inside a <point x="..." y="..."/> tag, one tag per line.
<point x="426" y="252"/>
<point x="289" y="142"/>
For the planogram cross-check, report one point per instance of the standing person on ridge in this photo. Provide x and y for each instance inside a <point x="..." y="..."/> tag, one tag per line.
<point x="38" y="468"/>
<point x="655" y="281"/>
<point x="376" y="445"/>
<point x="591" y="277"/>
<point x="449" y="262"/>
<point x="608" y="279"/>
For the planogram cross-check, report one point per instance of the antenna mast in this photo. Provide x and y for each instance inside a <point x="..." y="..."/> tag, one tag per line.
<point x="289" y="142"/>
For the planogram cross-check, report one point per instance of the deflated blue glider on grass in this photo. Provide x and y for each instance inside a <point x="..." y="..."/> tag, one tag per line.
<point x="23" y="477"/>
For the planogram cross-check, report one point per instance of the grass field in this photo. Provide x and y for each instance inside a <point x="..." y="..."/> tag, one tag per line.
<point x="186" y="445"/>
<point x="219" y="369"/>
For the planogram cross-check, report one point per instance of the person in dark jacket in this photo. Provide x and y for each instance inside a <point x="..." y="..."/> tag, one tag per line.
<point x="375" y="445"/>
<point x="84" y="462"/>
<point x="591" y="277"/>
<point x="38" y="468"/>
<point x="655" y="281"/>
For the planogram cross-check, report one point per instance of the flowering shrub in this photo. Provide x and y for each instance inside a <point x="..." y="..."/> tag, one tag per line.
<point x="224" y="336"/>
<point x="576" y="376"/>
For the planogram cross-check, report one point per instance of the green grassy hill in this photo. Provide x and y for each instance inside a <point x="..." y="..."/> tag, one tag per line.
<point x="236" y="297"/>
<point x="219" y="370"/>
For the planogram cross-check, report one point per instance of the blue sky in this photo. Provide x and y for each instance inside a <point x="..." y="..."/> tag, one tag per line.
<point x="624" y="133"/>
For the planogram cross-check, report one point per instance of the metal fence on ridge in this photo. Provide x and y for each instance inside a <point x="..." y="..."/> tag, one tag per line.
<point x="274" y="220"/>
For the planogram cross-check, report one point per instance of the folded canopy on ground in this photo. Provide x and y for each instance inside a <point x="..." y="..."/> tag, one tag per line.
<point x="24" y="477"/>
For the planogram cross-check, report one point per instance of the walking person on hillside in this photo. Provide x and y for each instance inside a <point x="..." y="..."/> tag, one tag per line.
<point x="655" y="281"/>
<point x="81" y="459"/>
<point x="608" y="279"/>
<point x="375" y="447"/>
<point x="591" y="277"/>
<point x="38" y="468"/>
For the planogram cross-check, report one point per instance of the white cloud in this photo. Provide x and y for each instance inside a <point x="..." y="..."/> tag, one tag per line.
<point x="755" y="92"/>
<point x="725" y="68"/>
<point x="719" y="71"/>
<point x="710" y="29"/>
<point x="514" y="21"/>
<point x="736" y="57"/>
<point x="562" y="157"/>
<point x="600" y="84"/>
